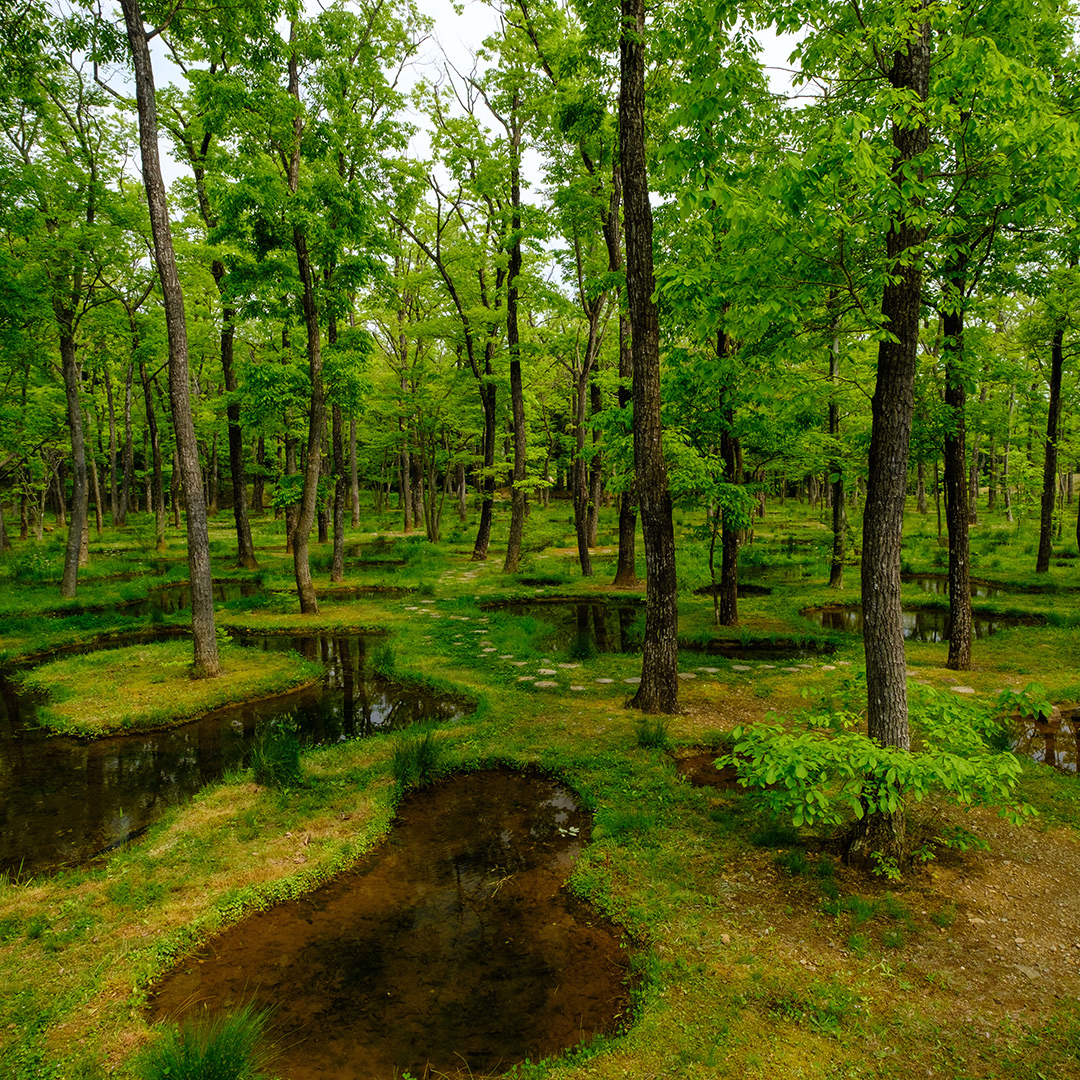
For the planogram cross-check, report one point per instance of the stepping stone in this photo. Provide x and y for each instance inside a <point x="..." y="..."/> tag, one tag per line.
<point x="634" y="681"/>
<point x="605" y="681"/>
<point x="810" y="666"/>
<point x="518" y="663"/>
<point x="412" y="607"/>
<point x="577" y="687"/>
<point x="710" y="670"/>
<point x="487" y="651"/>
<point x="525" y="678"/>
<point x="766" y="667"/>
<point x="506" y="656"/>
<point x="962" y="689"/>
<point x="546" y="671"/>
<point x="844" y="663"/>
<point x="741" y="667"/>
<point x="828" y="667"/>
<point x="427" y="601"/>
<point x="795" y="670"/>
<point x="545" y="684"/>
<point x="686" y="675"/>
<point x="569" y="667"/>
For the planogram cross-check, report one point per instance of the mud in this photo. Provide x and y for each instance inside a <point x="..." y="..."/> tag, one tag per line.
<point x="452" y="949"/>
<point x="700" y="770"/>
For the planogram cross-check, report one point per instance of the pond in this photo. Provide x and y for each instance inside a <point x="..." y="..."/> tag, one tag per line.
<point x="920" y="624"/>
<point x="1055" y="742"/>
<point x="610" y="627"/>
<point x="938" y="585"/>
<point x="453" y="949"/>
<point x="64" y="800"/>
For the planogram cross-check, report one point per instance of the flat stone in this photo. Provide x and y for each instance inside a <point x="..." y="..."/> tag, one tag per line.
<point x="962" y="689"/>
<point x="741" y="667"/>
<point x="686" y="675"/>
<point x="506" y="656"/>
<point x="427" y="601"/>
<point x="766" y="667"/>
<point x="605" y="681"/>
<point x="525" y="678"/>
<point x="844" y="663"/>
<point x="544" y="684"/>
<point x="707" y="670"/>
<point x="795" y="670"/>
<point x="828" y="667"/>
<point x="633" y="681"/>
<point x="577" y="687"/>
<point x="806" y="666"/>
<point x="546" y="671"/>
<point x="487" y="651"/>
<point x="569" y="667"/>
<point x="518" y="663"/>
<point x="412" y="607"/>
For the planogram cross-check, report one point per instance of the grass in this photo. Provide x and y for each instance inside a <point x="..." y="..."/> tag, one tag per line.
<point x="275" y="757"/>
<point x="225" y="1047"/>
<point x="145" y="686"/>
<point x="679" y="867"/>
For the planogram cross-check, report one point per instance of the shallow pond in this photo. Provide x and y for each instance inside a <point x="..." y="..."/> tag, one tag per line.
<point x="920" y="624"/>
<point x="64" y="800"/>
<point x="1055" y="743"/>
<point x="611" y="627"/>
<point x="453" y="949"/>
<point x="938" y="585"/>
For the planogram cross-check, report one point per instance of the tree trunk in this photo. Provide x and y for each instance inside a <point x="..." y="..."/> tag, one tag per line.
<point x="157" y="500"/>
<point x="206" y="661"/>
<point x="836" y="467"/>
<point x="487" y="397"/>
<point x="892" y="409"/>
<point x="659" y="689"/>
<point x="114" y="507"/>
<point x="70" y="369"/>
<point x="956" y="495"/>
<point x="354" y="478"/>
<point x="129" y="449"/>
<point x="1053" y="423"/>
<point x="513" y="341"/>
<point x="245" y="548"/>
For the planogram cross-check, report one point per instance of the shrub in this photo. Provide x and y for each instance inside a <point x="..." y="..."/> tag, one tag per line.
<point x="225" y="1047"/>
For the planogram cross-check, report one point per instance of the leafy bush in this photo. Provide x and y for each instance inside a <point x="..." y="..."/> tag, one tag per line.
<point x="225" y="1047"/>
<point x="822" y="772"/>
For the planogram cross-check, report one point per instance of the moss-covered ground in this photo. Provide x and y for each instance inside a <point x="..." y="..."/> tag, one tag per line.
<point x="758" y="953"/>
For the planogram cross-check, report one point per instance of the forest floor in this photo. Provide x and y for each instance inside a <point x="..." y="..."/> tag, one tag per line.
<point x="757" y="952"/>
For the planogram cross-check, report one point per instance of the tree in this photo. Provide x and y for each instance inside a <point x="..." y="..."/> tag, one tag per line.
<point x="206" y="662"/>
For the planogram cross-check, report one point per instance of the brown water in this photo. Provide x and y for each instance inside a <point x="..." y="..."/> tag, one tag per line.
<point x="1055" y="742"/>
<point x="452" y="949"/>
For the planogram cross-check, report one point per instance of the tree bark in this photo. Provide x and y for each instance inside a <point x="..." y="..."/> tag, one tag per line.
<point x="836" y="467"/>
<point x="659" y="689"/>
<point x="892" y="409"/>
<point x="956" y="496"/>
<point x="1053" y="424"/>
<point x="70" y="369"/>
<point x="206" y="662"/>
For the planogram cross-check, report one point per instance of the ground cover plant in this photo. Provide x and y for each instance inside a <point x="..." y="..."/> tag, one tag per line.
<point x="759" y="953"/>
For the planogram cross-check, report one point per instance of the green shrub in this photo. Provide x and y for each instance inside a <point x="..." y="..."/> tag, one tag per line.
<point x="225" y="1047"/>
<point x="275" y="758"/>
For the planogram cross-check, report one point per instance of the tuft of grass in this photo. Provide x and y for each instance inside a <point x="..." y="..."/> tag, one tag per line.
<point x="417" y="759"/>
<point x="652" y="732"/>
<point x="794" y="862"/>
<point x="230" y="1046"/>
<point x="275" y="759"/>
<point x="384" y="661"/>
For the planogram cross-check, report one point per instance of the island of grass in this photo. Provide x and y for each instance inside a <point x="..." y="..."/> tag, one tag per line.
<point x="150" y="686"/>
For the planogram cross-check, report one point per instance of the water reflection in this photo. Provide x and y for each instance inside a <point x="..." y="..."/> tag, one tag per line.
<point x="920" y="624"/>
<point x="609" y="627"/>
<point x="63" y="800"/>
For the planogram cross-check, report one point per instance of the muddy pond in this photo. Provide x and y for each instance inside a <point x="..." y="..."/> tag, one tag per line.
<point x="920" y="624"/>
<point x="65" y="800"/>
<point x="607" y="627"/>
<point x="453" y="949"/>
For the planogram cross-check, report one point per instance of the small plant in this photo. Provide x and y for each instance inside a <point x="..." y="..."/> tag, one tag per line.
<point x="1033" y="702"/>
<point x="945" y="917"/>
<point x="417" y="759"/>
<point x="794" y="862"/>
<point x="583" y="647"/>
<point x="384" y="661"/>
<point x="652" y="732"/>
<point x="226" y="1047"/>
<point x="275" y="758"/>
<point x="859" y="944"/>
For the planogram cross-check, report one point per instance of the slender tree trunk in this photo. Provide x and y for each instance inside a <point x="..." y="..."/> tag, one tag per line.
<point x="892" y="409"/>
<point x="354" y="476"/>
<point x="626" y="571"/>
<point x="659" y="689"/>
<point x="518" y="495"/>
<point x="487" y="397"/>
<point x="129" y="449"/>
<point x="1053" y="424"/>
<point x="258" y="481"/>
<point x="70" y="369"/>
<point x="337" y="565"/>
<point x="245" y="548"/>
<point x="836" y="467"/>
<point x="157" y="500"/>
<point x="114" y="508"/>
<point x="206" y="661"/>
<point x="956" y="495"/>
<point x="596" y="471"/>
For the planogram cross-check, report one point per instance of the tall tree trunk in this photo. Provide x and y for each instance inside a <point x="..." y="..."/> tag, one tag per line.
<point x="245" y="547"/>
<point x="487" y="397"/>
<point x="836" y="468"/>
<point x="659" y="689"/>
<point x="517" y="397"/>
<point x="596" y="470"/>
<point x="626" y="570"/>
<point x="354" y="476"/>
<point x="70" y="369"/>
<point x="956" y="492"/>
<point x="206" y="662"/>
<point x="114" y="508"/>
<point x="892" y="409"/>
<point x="157" y="500"/>
<point x="1053" y="424"/>
<point x="129" y="449"/>
<point x="337" y="449"/>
